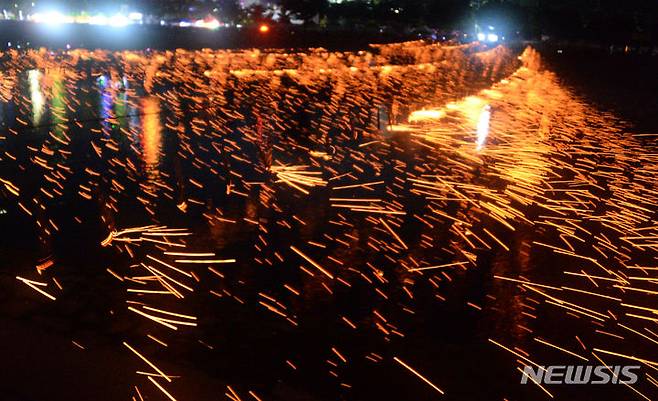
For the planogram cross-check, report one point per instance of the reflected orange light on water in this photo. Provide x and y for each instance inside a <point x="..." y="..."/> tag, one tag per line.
<point x="151" y="131"/>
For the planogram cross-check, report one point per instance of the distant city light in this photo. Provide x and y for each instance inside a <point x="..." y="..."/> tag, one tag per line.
<point x="264" y="28"/>
<point x="481" y="37"/>
<point x="207" y="23"/>
<point x="119" y="20"/>
<point x="99" y="19"/>
<point x="134" y="16"/>
<point x="51" y="18"/>
<point x="56" y="18"/>
<point x="492" y="37"/>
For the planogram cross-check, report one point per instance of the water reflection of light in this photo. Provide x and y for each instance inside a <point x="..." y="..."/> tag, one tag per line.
<point x="121" y="108"/>
<point x="151" y="131"/>
<point x="107" y="101"/>
<point x="483" y="126"/>
<point x="58" y="103"/>
<point x="37" y="98"/>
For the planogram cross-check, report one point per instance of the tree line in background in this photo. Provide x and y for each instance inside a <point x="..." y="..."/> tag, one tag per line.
<point x="604" y="20"/>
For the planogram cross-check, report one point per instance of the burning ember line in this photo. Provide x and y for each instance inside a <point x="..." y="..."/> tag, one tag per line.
<point x="34" y="285"/>
<point x="312" y="262"/>
<point x="418" y="374"/>
<point x="160" y="372"/>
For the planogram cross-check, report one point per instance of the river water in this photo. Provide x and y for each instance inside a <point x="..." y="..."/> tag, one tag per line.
<point x="318" y="225"/>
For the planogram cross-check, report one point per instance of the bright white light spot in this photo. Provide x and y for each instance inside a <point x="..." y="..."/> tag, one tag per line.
<point x="483" y="126"/>
<point x="99" y="19"/>
<point x="492" y="37"/>
<point x="426" y="115"/>
<point x="212" y="24"/>
<point x="51" y="18"/>
<point x="208" y="24"/>
<point x="38" y="100"/>
<point x="119" y="20"/>
<point x="481" y="37"/>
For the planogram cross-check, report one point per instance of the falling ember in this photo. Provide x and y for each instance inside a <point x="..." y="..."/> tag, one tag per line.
<point x="10" y="187"/>
<point x="159" y="386"/>
<point x="412" y="370"/>
<point x="161" y="373"/>
<point x="35" y="286"/>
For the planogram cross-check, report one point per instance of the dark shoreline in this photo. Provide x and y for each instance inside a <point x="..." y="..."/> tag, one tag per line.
<point x="136" y="37"/>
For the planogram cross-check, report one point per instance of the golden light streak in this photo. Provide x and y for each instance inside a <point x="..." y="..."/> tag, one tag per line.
<point x="312" y="262"/>
<point x="160" y="372"/>
<point x="418" y="374"/>
<point x="161" y="388"/>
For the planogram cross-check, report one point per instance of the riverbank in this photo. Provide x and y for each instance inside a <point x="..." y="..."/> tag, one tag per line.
<point x="139" y="37"/>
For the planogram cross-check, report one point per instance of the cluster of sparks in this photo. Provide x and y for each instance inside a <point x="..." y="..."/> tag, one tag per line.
<point x="344" y="178"/>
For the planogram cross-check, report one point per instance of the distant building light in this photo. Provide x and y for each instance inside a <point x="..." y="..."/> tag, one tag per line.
<point x="492" y="37"/>
<point x="481" y="37"/>
<point x="99" y="19"/>
<point x="119" y="20"/>
<point x="208" y="24"/>
<point x="213" y="24"/>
